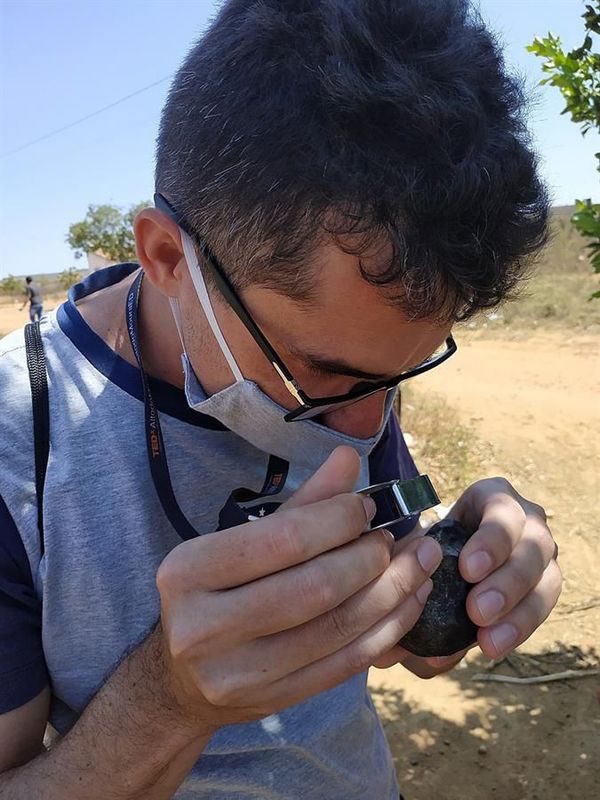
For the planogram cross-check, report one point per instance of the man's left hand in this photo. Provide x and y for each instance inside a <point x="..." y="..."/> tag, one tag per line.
<point x="511" y="556"/>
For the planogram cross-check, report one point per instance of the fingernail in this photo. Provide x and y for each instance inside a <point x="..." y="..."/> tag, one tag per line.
<point x="389" y="536"/>
<point x="478" y="565"/>
<point x="370" y="507"/>
<point x="503" y="637"/>
<point x="490" y="604"/>
<point x="429" y="554"/>
<point x="424" y="591"/>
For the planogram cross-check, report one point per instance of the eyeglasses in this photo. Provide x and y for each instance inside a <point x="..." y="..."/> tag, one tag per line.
<point x="308" y="406"/>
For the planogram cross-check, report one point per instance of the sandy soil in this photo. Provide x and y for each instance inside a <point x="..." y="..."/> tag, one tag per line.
<point x="11" y="317"/>
<point x="535" y="403"/>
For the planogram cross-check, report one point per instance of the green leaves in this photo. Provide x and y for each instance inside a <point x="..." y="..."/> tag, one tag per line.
<point x="587" y="221"/>
<point x="106" y="230"/>
<point x="577" y="75"/>
<point x="68" y="277"/>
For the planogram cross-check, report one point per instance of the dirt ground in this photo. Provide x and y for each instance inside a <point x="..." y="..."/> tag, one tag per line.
<point x="11" y="317"/>
<point x="534" y="403"/>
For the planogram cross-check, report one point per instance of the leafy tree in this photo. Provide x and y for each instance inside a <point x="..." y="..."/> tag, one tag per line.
<point x="68" y="277"/>
<point x="577" y="76"/>
<point x="106" y="229"/>
<point x="11" y="286"/>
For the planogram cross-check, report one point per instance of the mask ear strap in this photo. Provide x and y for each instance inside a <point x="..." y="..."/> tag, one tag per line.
<point x="177" y="319"/>
<point x="200" y="286"/>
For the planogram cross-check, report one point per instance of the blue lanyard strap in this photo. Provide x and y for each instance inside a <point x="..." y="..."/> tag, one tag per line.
<point x="277" y="468"/>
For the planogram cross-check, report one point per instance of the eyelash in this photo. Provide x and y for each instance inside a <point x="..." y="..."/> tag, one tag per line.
<point x="321" y="373"/>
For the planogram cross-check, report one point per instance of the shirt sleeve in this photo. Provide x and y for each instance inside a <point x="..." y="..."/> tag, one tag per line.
<point x="23" y="672"/>
<point x="391" y="460"/>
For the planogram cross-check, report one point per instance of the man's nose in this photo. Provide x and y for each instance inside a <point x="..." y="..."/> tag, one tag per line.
<point x="361" y="419"/>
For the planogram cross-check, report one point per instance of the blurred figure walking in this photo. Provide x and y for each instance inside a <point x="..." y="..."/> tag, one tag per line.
<point x="34" y="296"/>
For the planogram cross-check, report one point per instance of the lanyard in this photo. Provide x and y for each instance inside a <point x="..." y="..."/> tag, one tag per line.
<point x="157" y="458"/>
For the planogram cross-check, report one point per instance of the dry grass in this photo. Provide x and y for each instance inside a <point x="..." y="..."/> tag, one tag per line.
<point x="441" y="445"/>
<point x="557" y="295"/>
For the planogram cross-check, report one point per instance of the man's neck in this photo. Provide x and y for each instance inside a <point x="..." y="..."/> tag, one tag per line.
<point x="159" y="340"/>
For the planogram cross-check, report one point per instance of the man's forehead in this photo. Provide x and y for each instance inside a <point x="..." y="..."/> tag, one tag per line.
<point x="347" y="321"/>
<point x="347" y="334"/>
<point x="341" y="292"/>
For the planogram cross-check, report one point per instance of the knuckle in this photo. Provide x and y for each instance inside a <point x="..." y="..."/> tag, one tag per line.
<point x="218" y="688"/>
<point x="403" y="586"/>
<point x="496" y="483"/>
<point x="167" y="574"/>
<point x="555" y="578"/>
<point x="540" y="549"/>
<point x="539" y="510"/>
<point x="501" y="489"/>
<point x="184" y="638"/>
<point x="548" y="543"/>
<point x="522" y="577"/>
<point x="284" y="542"/>
<point x="179" y="640"/>
<point x="549" y="550"/>
<point x="316" y="589"/>
<point x="340" y="623"/>
<point x="380" y="551"/>
<point x="353" y="512"/>
<point x="173" y="573"/>
<point x="358" y="658"/>
<point x="519" y="511"/>
<point x="372" y="556"/>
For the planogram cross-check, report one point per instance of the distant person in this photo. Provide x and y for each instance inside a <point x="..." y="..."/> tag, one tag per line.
<point x="34" y="296"/>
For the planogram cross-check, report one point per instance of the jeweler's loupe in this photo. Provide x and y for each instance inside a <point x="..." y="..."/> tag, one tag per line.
<point x="397" y="500"/>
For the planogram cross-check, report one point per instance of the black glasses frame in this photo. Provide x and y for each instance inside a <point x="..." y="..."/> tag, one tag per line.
<point x="308" y="404"/>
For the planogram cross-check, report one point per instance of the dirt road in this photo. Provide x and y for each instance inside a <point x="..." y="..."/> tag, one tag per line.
<point x="535" y="404"/>
<point x="11" y="316"/>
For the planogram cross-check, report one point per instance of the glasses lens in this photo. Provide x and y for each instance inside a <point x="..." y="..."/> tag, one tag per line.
<point x="439" y="356"/>
<point x="435" y="356"/>
<point x="316" y="411"/>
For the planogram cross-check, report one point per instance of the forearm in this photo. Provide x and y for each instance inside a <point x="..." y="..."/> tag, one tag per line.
<point x="131" y="742"/>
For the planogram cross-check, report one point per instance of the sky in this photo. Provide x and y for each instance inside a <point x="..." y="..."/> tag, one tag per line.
<point x="61" y="60"/>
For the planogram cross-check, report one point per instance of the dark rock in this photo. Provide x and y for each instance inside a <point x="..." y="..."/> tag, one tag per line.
<point x="444" y="627"/>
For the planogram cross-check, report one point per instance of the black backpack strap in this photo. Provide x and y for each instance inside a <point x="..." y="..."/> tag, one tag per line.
<point x="38" y="379"/>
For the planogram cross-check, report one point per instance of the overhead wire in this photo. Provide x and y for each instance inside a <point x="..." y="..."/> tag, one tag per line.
<point x="83" y="119"/>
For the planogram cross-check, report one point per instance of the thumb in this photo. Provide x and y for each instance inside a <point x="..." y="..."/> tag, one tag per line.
<point x="337" y="475"/>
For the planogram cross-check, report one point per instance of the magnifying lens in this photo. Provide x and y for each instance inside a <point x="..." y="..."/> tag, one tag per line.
<point x="396" y="500"/>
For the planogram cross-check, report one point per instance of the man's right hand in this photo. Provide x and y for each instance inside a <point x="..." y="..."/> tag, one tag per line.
<point x="267" y="614"/>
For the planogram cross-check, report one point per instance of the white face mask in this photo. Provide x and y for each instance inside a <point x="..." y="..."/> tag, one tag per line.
<point x="247" y="411"/>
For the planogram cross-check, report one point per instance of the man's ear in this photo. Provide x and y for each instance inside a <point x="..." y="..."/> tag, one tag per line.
<point x="159" y="250"/>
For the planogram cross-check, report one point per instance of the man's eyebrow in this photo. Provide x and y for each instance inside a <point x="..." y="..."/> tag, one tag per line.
<point x="335" y="367"/>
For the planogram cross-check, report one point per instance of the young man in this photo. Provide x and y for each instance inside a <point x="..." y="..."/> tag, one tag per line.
<point x="34" y="298"/>
<point x="338" y="182"/>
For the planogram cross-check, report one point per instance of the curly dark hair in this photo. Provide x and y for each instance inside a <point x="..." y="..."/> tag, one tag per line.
<point x="392" y="125"/>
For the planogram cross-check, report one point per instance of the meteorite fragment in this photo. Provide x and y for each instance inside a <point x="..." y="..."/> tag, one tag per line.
<point x="444" y="627"/>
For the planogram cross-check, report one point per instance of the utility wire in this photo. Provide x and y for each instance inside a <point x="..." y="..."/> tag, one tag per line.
<point x="83" y="119"/>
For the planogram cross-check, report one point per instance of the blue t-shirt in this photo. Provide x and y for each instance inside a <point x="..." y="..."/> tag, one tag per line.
<point x="67" y="617"/>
